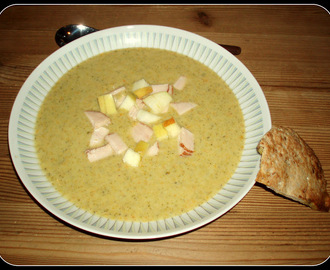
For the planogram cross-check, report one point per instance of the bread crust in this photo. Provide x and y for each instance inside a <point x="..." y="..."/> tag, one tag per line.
<point x="291" y="168"/>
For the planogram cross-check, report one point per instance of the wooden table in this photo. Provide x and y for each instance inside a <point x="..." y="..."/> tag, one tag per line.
<point x="287" y="48"/>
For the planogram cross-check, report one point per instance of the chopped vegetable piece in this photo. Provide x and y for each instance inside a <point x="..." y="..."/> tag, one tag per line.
<point x="119" y="95"/>
<point x="147" y="117"/>
<point x="117" y="144"/>
<point x="172" y="128"/>
<point x="144" y="91"/>
<point x="141" y="147"/>
<point x="132" y="113"/>
<point x="97" y="137"/>
<point x="139" y="84"/>
<point x="141" y="132"/>
<point x="186" y="142"/>
<point x="158" y="102"/>
<point x="107" y="104"/>
<point x="160" y="132"/>
<point x="170" y="89"/>
<point x="139" y="103"/>
<point x="132" y="158"/>
<point x="182" y="107"/>
<point x="153" y="150"/>
<point x="128" y="102"/>
<point x="180" y="83"/>
<point x="118" y="91"/>
<point x="99" y="153"/>
<point x="97" y="119"/>
<point x="159" y="88"/>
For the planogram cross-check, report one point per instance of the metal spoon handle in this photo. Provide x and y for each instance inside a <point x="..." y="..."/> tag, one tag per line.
<point x="71" y="32"/>
<point x="235" y="50"/>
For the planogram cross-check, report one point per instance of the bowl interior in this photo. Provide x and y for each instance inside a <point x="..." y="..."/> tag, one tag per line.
<point x="39" y="83"/>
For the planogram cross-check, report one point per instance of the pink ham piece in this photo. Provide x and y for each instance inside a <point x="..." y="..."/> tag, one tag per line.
<point x="97" y="119"/>
<point x="153" y="150"/>
<point x="162" y="88"/>
<point x="132" y="113"/>
<point x="186" y="142"/>
<point x="99" y="153"/>
<point x="142" y="132"/>
<point x="170" y="89"/>
<point x="116" y="142"/>
<point x="180" y="83"/>
<point x="98" y="136"/>
<point x="118" y="90"/>
<point x="139" y="103"/>
<point x="182" y="107"/>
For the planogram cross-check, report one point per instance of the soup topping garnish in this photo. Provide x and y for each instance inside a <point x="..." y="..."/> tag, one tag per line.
<point x="144" y="104"/>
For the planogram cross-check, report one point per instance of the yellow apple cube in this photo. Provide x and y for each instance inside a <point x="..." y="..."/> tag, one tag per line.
<point x="132" y="158"/>
<point x="172" y="128"/>
<point x="160" y="132"/>
<point x="142" y="92"/>
<point x="107" y="104"/>
<point x="128" y="102"/>
<point x="141" y="147"/>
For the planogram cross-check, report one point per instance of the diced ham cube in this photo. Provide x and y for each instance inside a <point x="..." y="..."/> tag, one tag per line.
<point x="182" y="107"/>
<point x="118" y="90"/>
<point x="116" y="142"/>
<point x="98" y="136"/>
<point x="162" y="88"/>
<point x="99" y="153"/>
<point x="97" y="119"/>
<point x="159" y="88"/>
<point x="186" y="142"/>
<point x="180" y="83"/>
<point x="133" y="111"/>
<point x="153" y="150"/>
<point x="170" y="89"/>
<point x="142" y="132"/>
<point x="140" y="104"/>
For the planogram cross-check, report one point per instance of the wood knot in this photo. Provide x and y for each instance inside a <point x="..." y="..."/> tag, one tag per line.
<point x="203" y="18"/>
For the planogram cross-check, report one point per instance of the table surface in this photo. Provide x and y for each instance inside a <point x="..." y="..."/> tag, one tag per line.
<point x="287" y="48"/>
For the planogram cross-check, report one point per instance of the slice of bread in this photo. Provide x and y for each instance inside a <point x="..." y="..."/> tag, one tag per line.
<point x="291" y="168"/>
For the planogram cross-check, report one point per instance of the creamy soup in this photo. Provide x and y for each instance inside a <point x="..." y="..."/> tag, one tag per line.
<point x="161" y="186"/>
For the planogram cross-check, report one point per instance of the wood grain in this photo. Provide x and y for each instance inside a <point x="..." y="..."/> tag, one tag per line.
<point x="285" y="47"/>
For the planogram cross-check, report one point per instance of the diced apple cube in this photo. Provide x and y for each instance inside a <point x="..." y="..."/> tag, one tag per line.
<point x="141" y="147"/>
<point x="158" y="102"/>
<point x="99" y="153"/>
<point x="132" y="158"/>
<point x="144" y="91"/>
<point x="128" y="102"/>
<point x="160" y="132"/>
<point x="97" y="119"/>
<point x="147" y="117"/>
<point x="119" y="95"/>
<point x="139" y="84"/>
<point x="107" y="104"/>
<point x="172" y="128"/>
